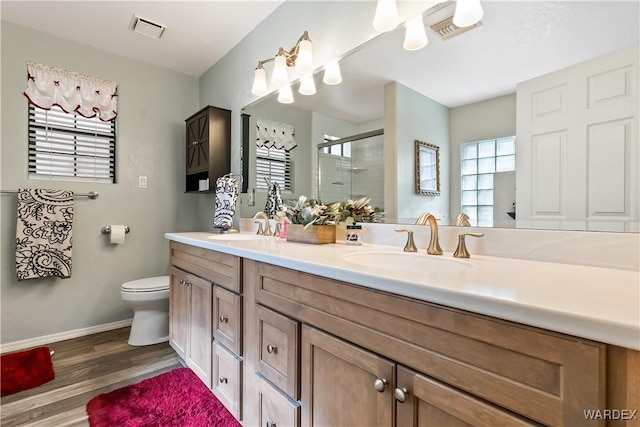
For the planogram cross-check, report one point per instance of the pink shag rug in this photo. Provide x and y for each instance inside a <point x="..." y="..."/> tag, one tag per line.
<point x="175" y="398"/>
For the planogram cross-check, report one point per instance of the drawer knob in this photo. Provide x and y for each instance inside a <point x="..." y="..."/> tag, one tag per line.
<point x="401" y="394"/>
<point x="182" y="282"/>
<point x="380" y="384"/>
<point x="223" y="319"/>
<point x="271" y="424"/>
<point x="272" y="349"/>
<point x="223" y="380"/>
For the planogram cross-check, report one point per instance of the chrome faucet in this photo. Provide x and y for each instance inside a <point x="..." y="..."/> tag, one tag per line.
<point x="434" y="244"/>
<point x="267" y="225"/>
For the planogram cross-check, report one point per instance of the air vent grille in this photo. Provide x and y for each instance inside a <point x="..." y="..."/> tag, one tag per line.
<point x="446" y="29"/>
<point x="146" y="27"/>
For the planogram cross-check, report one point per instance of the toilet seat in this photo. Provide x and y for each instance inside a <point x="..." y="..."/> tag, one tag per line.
<point x="149" y="284"/>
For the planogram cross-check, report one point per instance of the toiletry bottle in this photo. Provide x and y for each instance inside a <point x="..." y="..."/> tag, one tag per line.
<point x="283" y="228"/>
<point x="354" y="234"/>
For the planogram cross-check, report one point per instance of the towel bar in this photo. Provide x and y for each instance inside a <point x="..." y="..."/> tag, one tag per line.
<point x="91" y="194"/>
<point x="107" y="229"/>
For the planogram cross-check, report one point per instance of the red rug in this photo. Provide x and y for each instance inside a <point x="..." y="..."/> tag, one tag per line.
<point x="174" y="399"/>
<point x="25" y="369"/>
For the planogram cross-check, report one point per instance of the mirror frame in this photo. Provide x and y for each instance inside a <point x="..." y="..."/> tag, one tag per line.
<point x="427" y="171"/>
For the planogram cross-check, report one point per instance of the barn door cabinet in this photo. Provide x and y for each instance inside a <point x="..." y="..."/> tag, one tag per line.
<point x="322" y="352"/>
<point x="208" y="148"/>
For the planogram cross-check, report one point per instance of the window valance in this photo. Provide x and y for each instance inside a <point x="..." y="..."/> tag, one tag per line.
<point x="73" y="92"/>
<point x="271" y="134"/>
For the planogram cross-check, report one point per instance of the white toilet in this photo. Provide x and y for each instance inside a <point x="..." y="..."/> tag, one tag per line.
<point x="149" y="300"/>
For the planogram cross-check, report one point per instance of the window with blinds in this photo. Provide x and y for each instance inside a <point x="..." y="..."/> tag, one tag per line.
<point x="274" y="164"/>
<point x="70" y="145"/>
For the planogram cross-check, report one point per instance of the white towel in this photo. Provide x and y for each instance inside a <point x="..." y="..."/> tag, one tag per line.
<point x="226" y="197"/>
<point x="44" y="233"/>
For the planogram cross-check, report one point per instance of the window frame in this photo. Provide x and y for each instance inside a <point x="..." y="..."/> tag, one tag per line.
<point x="266" y="159"/>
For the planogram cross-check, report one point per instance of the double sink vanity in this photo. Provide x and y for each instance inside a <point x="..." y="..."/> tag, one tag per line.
<point x="297" y="334"/>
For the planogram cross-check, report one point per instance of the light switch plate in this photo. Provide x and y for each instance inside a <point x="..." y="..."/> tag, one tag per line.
<point x="142" y="182"/>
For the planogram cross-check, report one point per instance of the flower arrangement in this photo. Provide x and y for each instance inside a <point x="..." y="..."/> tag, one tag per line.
<point x="310" y="212"/>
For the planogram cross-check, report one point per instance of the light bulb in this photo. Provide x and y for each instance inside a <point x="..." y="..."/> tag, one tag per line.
<point x="259" y="87"/>
<point x="307" y="85"/>
<point x="304" y="61"/>
<point x="280" y="76"/>
<point x="332" y="74"/>
<point x="415" y="37"/>
<point x="468" y="12"/>
<point x="386" y="17"/>
<point x="285" y="96"/>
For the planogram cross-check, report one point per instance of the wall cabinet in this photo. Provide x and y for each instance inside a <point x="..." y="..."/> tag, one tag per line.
<point x="208" y="147"/>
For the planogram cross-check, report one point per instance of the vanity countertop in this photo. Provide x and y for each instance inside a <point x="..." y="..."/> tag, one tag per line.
<point x="600" y="304"/>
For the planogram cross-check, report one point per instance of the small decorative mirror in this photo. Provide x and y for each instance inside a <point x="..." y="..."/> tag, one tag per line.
<point x="427" y="169"/>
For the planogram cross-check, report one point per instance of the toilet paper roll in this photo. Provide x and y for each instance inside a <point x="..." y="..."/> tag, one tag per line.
<point x="117" y="234"/>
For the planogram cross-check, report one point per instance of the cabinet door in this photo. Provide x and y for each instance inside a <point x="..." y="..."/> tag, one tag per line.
<point x="226" y="381"/>
<point x="340" y="383"/>
<point x="200" y="336"/>
<point x="422" y="402"/>
<point x="198" y="143"/>
<point x="178" y="315"/>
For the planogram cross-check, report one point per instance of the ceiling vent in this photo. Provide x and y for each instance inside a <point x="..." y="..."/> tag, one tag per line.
<point x="146" y="28"/>
<point x="447" y="29"/>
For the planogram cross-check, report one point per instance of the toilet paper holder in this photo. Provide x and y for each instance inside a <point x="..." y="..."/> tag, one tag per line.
<point x="107" y="229"/>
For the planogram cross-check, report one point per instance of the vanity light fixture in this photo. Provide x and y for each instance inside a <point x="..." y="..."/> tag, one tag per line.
<point x="468" y="12"/>
<point x="415" y="36"/>
<point x="285" y="96"/>
<point x="386" y="17"/>
<point x="332" y="75"/>
<point x="307" y="85"/>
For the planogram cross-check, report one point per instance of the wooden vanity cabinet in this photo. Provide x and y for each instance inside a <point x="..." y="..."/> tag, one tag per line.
<point x="208" y="139"/>
<point x="458" y="368"/>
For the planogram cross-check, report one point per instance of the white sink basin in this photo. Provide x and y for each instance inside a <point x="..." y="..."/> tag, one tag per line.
<point x="415" y="262"/>
<point x="236" y="236"/>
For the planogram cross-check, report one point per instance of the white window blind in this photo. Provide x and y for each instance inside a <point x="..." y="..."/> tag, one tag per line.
<point x="70" y="145"/>
<point x="274" y="164"/>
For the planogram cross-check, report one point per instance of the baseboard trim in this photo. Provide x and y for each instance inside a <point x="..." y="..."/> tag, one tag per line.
<point x="48" y="339"/>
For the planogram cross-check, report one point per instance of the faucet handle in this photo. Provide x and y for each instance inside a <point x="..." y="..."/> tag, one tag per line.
<point x="276" y="232"/>
<point x="462" y="220"/>
<point x="260" y="229"/>
<point x="410" y="246"/>
<point x="461" y="250"/>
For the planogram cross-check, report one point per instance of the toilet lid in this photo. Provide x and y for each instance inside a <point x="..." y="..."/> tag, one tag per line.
<point x="150" y="284"/>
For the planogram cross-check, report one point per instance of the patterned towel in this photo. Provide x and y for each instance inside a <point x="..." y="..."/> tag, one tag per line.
<point x="226" y="197"/>
<point x="274" y="199"/>
<point x="43" y="233"/>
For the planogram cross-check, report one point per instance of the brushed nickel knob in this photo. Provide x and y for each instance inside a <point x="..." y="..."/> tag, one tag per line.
<point x="380" y="384"/>
<point x="223" y="319"/>
<point x="272" y="349"/>
<point x="271" y="424"/>
<point x="182" y="281"/>
<point x="223" y="380"/>
<point x="401" y="394"/>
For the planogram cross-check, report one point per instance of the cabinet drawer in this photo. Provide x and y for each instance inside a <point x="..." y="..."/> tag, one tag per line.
<point x="274" y="408"/>
<point x="219" y="268"/>
<point x="227" y="379"/>
<point x="227" y="320"/>
<point x="278" y="351"/>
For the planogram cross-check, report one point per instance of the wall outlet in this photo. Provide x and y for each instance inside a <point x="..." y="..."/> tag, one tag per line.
<point x="142" y="182"/>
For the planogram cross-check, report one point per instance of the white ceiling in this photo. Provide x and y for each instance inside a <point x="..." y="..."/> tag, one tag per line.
<point x="198" y="33"/>
<point x="517" y="41"/>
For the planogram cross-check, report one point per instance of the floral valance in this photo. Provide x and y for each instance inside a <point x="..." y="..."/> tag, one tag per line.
<point x="73" y="92"/>
<point x="275" y="135"/>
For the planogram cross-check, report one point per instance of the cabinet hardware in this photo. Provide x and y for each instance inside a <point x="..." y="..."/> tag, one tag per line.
<point x="380" y="384"/>
<point x="271" y="424"/>
<point x="182" y="282"/>
<point x="401" y="394"/>
<point x="223" y="380"/>
<point x="272" y="349"/>
<point x="223" y="319"/>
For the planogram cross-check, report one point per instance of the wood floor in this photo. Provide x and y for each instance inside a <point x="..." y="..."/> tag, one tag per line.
<point x="85" y="367"/>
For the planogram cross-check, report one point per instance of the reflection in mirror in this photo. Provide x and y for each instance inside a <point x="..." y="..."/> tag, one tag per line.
<point x="513" y="75"/>
<point x="427" y="169"/>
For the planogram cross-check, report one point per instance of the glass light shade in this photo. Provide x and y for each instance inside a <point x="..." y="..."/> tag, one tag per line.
<point x="285" y="96"/>
<point x="386" y="17"/>
<point x="307" y="85"/>
<point x="332" y="75"/>
<point x="467" y="13"/>
<point x="280" y="76"/>
<point x="415" y="37"/>
<point x="304" y="61"/>
<point x="259" y="87"/>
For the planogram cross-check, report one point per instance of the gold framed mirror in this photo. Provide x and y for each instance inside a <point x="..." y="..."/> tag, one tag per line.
<point x="427" y="169"/>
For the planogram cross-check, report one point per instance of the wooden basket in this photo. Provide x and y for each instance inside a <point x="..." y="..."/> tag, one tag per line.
<point x="316" y="234"/>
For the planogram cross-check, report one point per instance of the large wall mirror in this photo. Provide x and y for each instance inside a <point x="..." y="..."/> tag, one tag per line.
<point x="463" y="94"/>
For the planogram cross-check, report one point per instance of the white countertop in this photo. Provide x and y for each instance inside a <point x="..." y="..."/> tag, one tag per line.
<point x="601" y="304"/>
